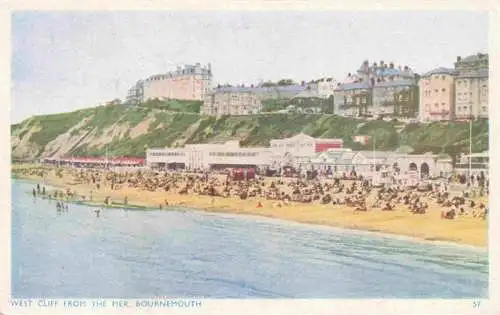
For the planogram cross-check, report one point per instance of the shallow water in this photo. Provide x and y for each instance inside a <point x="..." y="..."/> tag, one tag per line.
<point x="132" y="254"/>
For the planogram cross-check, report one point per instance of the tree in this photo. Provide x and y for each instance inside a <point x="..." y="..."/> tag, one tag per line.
<point x="268" y="84"/>
<point x="284" y="82"/>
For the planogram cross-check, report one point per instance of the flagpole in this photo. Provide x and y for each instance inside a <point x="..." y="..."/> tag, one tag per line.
<point x="470" y="150"/>
<point x="373" y="157"/>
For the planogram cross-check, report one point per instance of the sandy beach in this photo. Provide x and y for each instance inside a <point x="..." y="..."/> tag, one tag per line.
<point x="429" y="226"/>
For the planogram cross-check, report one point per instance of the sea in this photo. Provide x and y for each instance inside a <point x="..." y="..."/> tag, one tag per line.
<point x="194" y="254"/>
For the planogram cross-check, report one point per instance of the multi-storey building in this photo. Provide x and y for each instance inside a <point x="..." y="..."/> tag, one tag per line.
<point x="232" y="101"/>
<point x="471" y="87"/>
<point x="378" y="90"/>
<point x="437" y="95"/>
<point x="192" y="82"/>
<point x="352" y="99"/>
<point x="325" y="87"/>
<point x="135" y="94"/>
<point x="245" y="100"/>
<point x="395" y="98"/>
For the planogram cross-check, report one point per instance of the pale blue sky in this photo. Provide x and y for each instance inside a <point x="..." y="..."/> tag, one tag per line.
<point x="63" y="61"/>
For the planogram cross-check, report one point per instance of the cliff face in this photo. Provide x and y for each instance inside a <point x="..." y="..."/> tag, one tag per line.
<point x="129" y="131"/>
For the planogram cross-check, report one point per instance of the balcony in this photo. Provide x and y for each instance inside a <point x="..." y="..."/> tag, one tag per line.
<point x="446" y="112"/>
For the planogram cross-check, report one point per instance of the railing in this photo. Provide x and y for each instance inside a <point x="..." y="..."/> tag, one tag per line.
<point x="440" y="113"/>
<point x="472" y="166"/>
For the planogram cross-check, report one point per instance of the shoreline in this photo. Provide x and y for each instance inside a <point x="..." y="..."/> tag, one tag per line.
<point x="338" y="218"/>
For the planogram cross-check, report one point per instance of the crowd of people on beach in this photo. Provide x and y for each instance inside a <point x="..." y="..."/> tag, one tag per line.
<point x="359" y="194"/>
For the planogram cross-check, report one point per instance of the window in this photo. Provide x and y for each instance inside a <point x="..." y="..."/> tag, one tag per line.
<point x="443" y="90"/>
<point x="443" y="77"/>
<point x="436" y="105"/>
<point x="436" y="90"/>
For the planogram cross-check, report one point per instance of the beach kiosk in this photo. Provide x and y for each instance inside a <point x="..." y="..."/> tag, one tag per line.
<point x="242" y="174"/>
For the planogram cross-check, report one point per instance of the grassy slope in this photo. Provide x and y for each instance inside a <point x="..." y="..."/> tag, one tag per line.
<point x="169" y="127"/>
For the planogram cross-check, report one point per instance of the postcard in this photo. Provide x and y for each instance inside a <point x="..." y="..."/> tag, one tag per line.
<point x="218" y="162"/>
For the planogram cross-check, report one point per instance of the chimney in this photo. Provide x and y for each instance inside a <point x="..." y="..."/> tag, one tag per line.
<point x="391" y="65"/>
<point x="459" y="58"/>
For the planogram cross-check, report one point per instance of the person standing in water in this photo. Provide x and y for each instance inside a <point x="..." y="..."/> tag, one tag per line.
<point x="34" y="193"/>
<point x="97" y="212"/>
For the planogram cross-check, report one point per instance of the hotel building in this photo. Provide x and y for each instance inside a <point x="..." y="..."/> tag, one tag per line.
<point x="378" y="90"/>
<point x="231" y="101"/>
<point x="245" y="100"/>
<point x="437" y="95"/>
<point x="191" y="82"/>
<point x="471" y="88"/>
<point x="352" y="99"/>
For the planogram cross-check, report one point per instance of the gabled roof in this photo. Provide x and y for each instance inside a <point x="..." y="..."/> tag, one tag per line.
<point x="353" y="86"/>
<point x="330" y="154"/>
<point x="301" y="136"/>
<point x="375" y="154"/>
<point x="405" y="82"/>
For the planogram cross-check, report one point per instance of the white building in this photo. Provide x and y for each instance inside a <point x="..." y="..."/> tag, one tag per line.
<point x="477" y="163"/>
<point x="300" y="151"/>
<point x="367" y="163"/>
<point x="204" y="156"/>
<point x="209" y="156"/>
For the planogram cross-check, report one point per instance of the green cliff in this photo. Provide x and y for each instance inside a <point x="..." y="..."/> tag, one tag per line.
<point x="126" y="130"/>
